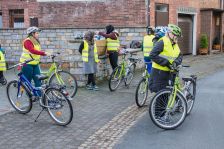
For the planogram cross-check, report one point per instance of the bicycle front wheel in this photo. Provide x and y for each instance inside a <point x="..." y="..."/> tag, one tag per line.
<point x="65" y="79"/>
<point x="19" y="97"/>
<point x="141" y="92"/>
<point x="164" y="117"/>
<point x="115" y="78"/>
<point x="191" y="93"/>
<point x="58" y="106"/>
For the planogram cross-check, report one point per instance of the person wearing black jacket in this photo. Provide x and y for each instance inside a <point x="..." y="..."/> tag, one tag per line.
<point x="164" y="54"/>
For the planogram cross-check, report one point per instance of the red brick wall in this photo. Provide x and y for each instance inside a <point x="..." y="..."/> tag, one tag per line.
<point x="93" y="14"/>
<point x="18" y="4"/>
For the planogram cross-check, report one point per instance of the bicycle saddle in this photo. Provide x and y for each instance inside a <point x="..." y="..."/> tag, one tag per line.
<point x="133" y="59"/>
<point x="41" y="77"/>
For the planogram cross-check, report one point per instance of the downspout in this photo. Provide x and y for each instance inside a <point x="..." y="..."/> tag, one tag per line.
<point x="147" y="12"/>
<point x="222" y="31"/>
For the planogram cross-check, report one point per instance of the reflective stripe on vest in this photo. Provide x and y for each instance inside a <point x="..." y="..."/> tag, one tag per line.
<point x="169" y="52"/>
<point x="113" y="45"/>
<point x="2" y="62"/>
<point x="85" y="52"/>
<point x="147" y="45"/>
<point x="26" y="54"/>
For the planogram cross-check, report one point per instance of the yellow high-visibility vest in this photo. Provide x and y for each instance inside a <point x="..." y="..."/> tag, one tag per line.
<point x="169" y="52"/>
<point x="147" y="45"/>
<point x="113" y="45"/>
<point x="2" y="62"/>
<point x="85" y="52"/>
<point x="26" y="54"/>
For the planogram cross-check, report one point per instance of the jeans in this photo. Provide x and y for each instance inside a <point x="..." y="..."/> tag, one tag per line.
<point x="30" y="72"/>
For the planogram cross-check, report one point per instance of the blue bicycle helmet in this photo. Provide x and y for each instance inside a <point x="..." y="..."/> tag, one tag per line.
<point x="160" y="31"/>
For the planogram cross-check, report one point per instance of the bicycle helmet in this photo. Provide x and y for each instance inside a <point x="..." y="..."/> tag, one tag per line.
<point x="150" y="29"/>
<point x="32" y="29"/>
<point x="174" y="29"/>
<point x="160" y="31"/>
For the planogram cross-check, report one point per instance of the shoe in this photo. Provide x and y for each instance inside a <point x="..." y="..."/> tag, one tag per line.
<point x="89" y="87"/>
<point x="95" y="88"/>
<point x="35" y="98"/>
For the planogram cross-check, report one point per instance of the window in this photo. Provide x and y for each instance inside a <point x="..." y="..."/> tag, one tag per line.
<point x="16" y="18"/>
<point x="1" y="20"/>
<point x="162" y="14"/>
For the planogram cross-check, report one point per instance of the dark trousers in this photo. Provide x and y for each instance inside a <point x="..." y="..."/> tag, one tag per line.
<point x="1" y="75"/>
<point x="113" y="57"/>
<point x="30" y="72"/>
<point x="158" y="80"/>
<point x="91" y="79"/>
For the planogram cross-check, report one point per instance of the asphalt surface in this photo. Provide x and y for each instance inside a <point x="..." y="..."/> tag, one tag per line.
<point x="202" y="129"/>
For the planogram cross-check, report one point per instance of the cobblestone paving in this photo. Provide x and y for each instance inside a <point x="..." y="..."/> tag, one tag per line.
<point x="100" y="118"/>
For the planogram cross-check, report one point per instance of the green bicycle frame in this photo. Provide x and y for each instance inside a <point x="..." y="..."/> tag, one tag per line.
<point x="177" y="87"/>
<point x="123" y="66"/>
<point x="53" y="70"/>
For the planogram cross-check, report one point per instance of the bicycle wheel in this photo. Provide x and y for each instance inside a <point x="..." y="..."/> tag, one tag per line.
<point x="129" y="77"/>
<point x="19" y="97"/>
<point x="65" y="79"/>
<point x="132" y="67"/>
<point x="162" y="116"/>
<point x="141" y="92"/>
<point x="58" y="106"/>
<point x="190" y="96"/>
<point x="115" y="78"/>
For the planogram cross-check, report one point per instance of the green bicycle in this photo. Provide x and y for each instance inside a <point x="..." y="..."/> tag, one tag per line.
<point x="61" y="77"/>
<point x="142" y="89"/>
<point x="169" y="107"/>
<point x="125" y="71"/>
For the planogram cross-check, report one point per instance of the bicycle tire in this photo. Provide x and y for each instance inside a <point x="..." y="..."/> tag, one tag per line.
<point x="128" y="77"/>
<point x="55" y="102"/>
<point x="140" y="102"/>
<point x="16" y="105"/>
<point x="158" y="114"/>
<point x="132" y="67"/>
<point x="191" y="98"/>
<point x="116" y="71"/>
<point x="71" y="78"/>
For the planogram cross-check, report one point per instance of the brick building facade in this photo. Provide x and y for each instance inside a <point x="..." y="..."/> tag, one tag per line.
<point x="121" y="13"/>
<point x="62" y="20"/>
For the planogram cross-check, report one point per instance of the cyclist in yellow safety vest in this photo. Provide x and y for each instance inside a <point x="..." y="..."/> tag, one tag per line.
<point x="32" y="50"/>
<point x="113" y="44"/>
<point x="90" y="59"/>
<point x="164" y="54"/>
<point x="147" y="46"/>
<point x="3" y="80"/>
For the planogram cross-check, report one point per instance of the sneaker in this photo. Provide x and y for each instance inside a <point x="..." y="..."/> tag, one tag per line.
<point x="89" y="87"/>
<point x="95" y="88"/>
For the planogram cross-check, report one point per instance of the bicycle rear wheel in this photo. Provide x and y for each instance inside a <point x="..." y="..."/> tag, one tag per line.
<point x="58" y="106"/>
<point x="19" y="97"/>
<point x="115" y="78"/>
<point x="129" y="77"/>
<point x="190" y="96"/>
<point x="166" y="118"/>
<point x="141" y="92"/>
<point x="65" y="79"/>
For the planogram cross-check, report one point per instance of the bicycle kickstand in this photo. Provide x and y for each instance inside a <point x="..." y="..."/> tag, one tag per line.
<point x="39" y="114"/>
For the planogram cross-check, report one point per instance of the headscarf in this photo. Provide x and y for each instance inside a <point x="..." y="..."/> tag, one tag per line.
<point x="109" y="29"/>
<point x="89" y="37"/>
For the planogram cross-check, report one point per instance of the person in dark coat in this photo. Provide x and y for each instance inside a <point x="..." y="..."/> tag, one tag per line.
<point x="164" y="54"/>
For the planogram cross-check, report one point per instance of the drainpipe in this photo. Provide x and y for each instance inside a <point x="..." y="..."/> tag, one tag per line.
<point x="147" y="13"/>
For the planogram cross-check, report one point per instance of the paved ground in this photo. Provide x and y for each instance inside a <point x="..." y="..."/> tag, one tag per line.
<point x="202" y="129"/>
<point x="100" y="118"/>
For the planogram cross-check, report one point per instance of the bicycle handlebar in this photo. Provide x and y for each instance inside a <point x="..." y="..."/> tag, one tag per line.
<point x="27" y="61"/>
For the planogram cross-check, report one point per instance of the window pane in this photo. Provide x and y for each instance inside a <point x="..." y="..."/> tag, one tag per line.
<point x="161" y="7"/>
